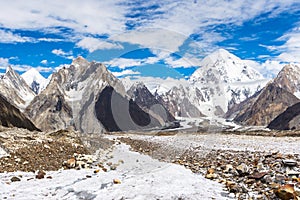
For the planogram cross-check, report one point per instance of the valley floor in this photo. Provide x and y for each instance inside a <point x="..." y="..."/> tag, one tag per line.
<point x="161" y="167"/>
<point x="140" y="176"/>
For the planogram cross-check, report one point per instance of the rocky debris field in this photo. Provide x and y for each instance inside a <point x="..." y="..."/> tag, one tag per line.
<point x="118" y="174"/>
<point x="33" y="151"/>
<point x="246" y="174"/>
<point x="249" y="167"/>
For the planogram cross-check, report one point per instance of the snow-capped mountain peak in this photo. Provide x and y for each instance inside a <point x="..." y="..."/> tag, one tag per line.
<point x="35" y="80"/>
<point x="15" y="89"/>
<point x="224" y="66"/>
<point x="225" y="80"/>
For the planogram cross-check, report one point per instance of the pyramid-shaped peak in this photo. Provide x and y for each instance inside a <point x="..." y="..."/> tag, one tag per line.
<point x="221" y="54"/>
<point x="80" y="61"/>
<point x="9" y="69"/>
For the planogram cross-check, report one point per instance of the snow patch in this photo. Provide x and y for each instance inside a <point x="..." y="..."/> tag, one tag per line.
<point x="141" y="178"/>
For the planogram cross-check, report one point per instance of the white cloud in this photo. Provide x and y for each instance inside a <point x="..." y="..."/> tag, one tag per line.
<point x="125" y="72"/>
<point x="9" y="37"/>
<point x="62" y="53"/>
<point x="90" y="16"/>
<point x="291" y="48"/>
<point x="49" y="39"/>
<point x="92" y="44"/>
<point x="268" y="69"/>
<point x="186" y="61"/>
<point x="58" y="52"/>
<point x="123" y="63"/>
<point x="161" y="39"/>
<point x="44" y="62"/>
<point x="4" y="62"/>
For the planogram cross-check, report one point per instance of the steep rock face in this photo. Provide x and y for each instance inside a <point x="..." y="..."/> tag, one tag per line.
<point x="15" y="89"/>
<point x="50" y="111"/>
<point x="288" y="79"/>
<point x="225" y="80"/>
<point x="288" y="120"/>
<point x="265" y="106"/>
<point x="183" y="101"/>
<point x="10" y="116"/>
<point x="117" y="113"/>
<point x="147" y="101"/>
<point x="72" y="99"/>
<point x="76" y="88"/>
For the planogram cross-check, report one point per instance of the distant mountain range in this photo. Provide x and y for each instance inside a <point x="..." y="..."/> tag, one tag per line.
<point x="86" y="97"/>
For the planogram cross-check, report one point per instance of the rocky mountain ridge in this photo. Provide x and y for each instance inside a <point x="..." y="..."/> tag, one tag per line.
<point x="83" y="96"/>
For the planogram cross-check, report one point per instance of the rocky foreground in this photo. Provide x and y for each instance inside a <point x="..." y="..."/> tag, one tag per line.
<point x="23" y="150"/>
<point x="248" y="167"/>
<point x="247" y="174"/>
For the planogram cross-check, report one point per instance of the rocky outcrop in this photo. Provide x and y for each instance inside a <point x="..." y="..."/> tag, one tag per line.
<point x="182" y="101"/>
<point x="50" y="111"/>
<point x="10" y="116"/>
<point x="15" y="89"/>
<point x="69" y="99"/>
<point x="79" y="97"/>
<point x="117" y="113"/>
<point x="288" y="120"/>
<point x="147" y="101"/>
<point x="265" y="106"/>
<point x="288" y="78"/>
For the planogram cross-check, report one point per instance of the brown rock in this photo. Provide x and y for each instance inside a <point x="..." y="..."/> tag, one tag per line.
<point x="113" y="167"/>
<point x="210" y="171"/>
<point x="40" y="175"/>
<point x="242" y="169"/>
<point x="15" y="179"/>
<point x="116" y="181"/>
<point x="257" y="175"/>
<point x="71" y="163"/>
<point x="285" y="192"/>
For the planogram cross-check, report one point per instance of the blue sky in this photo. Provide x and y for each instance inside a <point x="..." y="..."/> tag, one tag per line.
<point x="157" y="38"/>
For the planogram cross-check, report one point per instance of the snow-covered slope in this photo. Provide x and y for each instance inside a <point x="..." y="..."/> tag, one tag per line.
<point x="225" y="67"/>
<point x="154" y="84"/>
<point x="14" y="88"/>
<point x="225" y="80"/>
<point x="222" y="81"/>
<point x="183" y="101"/>
<point x="35" y="80"/>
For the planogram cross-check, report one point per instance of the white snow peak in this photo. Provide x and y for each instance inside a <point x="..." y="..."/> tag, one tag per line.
<point x="226" y="67"/>
<point x="35" y="80"/>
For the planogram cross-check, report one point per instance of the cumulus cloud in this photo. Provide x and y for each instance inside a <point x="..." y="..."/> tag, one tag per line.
<point x="268" y="69"/>
<point x="153" y="38"/>
<point x="125" y="72"/>
<point x="4" y="62"/>
<point x="123" y="63"/>
<point x="62" y="53"/>
<point x="90" y="16"/>
<point x="92" y="44"/>
<point x="10" y="37"/>
<point x="186" y="61"/>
